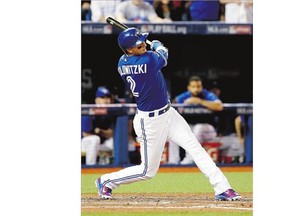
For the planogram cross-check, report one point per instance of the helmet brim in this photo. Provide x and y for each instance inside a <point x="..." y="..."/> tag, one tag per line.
<point x="142" y="38"/>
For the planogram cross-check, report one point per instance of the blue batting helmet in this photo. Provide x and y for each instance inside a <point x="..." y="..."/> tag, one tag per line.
<point x="131" y="37"/>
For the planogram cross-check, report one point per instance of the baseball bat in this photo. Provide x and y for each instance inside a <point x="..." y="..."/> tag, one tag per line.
<point x="120" y="26"/>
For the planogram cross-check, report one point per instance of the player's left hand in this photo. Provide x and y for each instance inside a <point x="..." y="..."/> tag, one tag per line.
<point x="155" y="44"/>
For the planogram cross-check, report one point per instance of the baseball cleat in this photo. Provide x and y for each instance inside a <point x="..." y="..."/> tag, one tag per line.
<point x="103" y="191"/>
<point x="229" y="195"/>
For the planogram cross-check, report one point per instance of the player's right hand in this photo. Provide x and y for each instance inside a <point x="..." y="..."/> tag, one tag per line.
<point x="155" y="44"/>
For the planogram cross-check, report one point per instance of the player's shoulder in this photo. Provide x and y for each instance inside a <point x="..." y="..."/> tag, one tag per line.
<point x="123" y="59"/>
<point x="209" y="95"/>
<point x="207" y="92"/>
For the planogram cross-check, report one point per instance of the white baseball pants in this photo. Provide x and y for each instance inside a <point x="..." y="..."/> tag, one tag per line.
<point x="153" y="132"/>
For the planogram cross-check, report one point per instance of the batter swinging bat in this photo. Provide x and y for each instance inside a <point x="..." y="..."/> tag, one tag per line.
<point x="120" y="26"/>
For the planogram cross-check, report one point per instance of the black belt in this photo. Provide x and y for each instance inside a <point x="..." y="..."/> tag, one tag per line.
<point x="160" y="112"/>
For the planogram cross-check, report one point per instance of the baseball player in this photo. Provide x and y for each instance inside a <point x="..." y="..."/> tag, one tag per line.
<point x="196" y="95"/>
<point x="156" y="121"/>
<point x="100" y="137"/>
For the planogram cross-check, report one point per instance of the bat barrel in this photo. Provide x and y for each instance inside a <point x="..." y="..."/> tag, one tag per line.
<point x="116" y="23"/>
<point x="121" y="26"/>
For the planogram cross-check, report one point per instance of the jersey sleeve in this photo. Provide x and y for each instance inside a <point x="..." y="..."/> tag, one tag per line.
<point x="160" y="57"/>
<point x="210" y="96"/>
<point x="178" y="99"/>
<point x="163" y="51"/>
<point x="182" y="97"/>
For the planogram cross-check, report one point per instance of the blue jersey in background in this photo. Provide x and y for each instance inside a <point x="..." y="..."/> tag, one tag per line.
<point x="205" y="94"/>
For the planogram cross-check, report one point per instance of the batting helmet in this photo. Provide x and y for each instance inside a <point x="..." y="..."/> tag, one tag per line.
<point x="131" y="37"/>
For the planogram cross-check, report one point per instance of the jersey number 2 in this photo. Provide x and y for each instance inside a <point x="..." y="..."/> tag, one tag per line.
<point x="132" y="86"/>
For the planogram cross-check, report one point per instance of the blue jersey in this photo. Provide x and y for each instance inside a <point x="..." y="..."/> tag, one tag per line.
<point x="205" y="94"/>
<point x="195" y="119"/>
<point x="144" y="77"/>
<point x="204" y="10"/>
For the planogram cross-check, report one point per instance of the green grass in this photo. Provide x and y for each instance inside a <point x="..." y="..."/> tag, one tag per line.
<point x="169" y="183"/>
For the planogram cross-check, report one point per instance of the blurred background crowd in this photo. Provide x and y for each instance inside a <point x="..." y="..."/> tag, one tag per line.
<point x="220" y="65"/>
<point x="235" y="11"/>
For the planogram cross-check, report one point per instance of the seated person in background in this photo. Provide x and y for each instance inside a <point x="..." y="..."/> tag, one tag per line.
<point x="163" y="8"/>
<point x="239" y="129"/>
<point x="204" y="10"/>
<point x="204" y="132"/>
<point x="197" y="95"/>
<point x="233" y="147"/>
<point x="169" y="9"/>
<point x="137" y="11"/>
<point x="101" y="9"/>
<point x="101" y="135"/>
<point x="85" y="10"/>
<point x="238" y="11"/>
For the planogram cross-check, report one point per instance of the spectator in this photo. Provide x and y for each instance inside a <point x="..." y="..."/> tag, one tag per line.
<point x="238" y="11"/>
<point x="239" y="137"/>
<point x="231" y="149"/>
<point x="197" y="95"/>
<point x="215" y="88"/>
<point x="204" y="10"/>
<point x="239" y="129"/>
<point x="85" y="10"/>
<point x="163" y="8"/>
<point x="101" y="9"/>
<point x="225" y="124"/>
<point x="137" y="11"/>
<point x="204" y="132"/>
<point x="168" y="9"/>
<point x="237" y="147"/>
<point x="101" y="135"/>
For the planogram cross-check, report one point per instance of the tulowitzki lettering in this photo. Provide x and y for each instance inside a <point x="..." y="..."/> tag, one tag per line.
<point x="132" y="69"/>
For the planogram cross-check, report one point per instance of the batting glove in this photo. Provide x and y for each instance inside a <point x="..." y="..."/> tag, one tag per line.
<point x="155" y="44"/>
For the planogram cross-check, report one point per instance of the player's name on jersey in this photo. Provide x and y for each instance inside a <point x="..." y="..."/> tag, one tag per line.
<point x="132" y="69"/>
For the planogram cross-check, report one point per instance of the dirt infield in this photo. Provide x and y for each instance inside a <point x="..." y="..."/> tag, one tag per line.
<point x="157" y="202"/>
<point x="165" y="202"/>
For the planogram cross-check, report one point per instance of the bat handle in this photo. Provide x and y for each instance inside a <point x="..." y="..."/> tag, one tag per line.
<point x="148" y="42"/>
